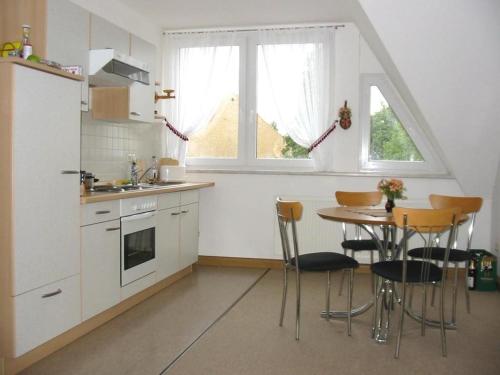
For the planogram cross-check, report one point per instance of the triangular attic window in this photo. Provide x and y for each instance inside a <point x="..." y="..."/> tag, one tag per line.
<point x="389" y="140"/>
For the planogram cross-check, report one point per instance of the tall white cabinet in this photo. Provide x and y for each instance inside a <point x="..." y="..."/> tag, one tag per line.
<point x="39" y="239"/>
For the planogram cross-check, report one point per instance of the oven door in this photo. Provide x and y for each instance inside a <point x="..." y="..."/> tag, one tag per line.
<point x="138" y="256"/>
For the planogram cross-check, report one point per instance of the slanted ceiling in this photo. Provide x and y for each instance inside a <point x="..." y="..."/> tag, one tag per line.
<point x="443" y="57"/>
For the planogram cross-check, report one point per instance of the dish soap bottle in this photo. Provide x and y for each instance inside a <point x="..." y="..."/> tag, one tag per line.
<point x="154" y="169"/>
<point x="26" y="45"/>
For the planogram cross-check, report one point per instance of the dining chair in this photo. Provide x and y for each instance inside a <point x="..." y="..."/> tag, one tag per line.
<point x="289" y="212"/>
<point x="469" y="206"/>
<point x="428" y="225"/>
<point x="356" y="244"/>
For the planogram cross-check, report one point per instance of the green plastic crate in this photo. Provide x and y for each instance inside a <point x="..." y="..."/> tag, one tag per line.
<point x="486" y="270"/>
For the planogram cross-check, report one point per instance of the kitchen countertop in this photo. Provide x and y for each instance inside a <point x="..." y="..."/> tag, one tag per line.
<point x="93" y="197"/>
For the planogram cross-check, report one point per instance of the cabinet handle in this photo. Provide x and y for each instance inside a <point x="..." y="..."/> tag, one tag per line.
<point x="133" y="113"/>
<point x="103" y="212"/>
<point x="52" y="294"/>
<point x="185" y="211"/>
<point x="175" y="213"/>
<point x="84" y="102"/>
<point x="70" y="172"/>
<point x="112" y="229"/>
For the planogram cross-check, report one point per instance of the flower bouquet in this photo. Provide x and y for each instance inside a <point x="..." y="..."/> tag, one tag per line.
<point x="392" y="189"/>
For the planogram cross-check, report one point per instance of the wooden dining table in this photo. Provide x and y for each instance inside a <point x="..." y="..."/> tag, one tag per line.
<point x="368" y="219"/>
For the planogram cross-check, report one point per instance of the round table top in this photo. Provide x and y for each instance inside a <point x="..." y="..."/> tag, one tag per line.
<point x="357" y="215"/>
<point x="363" y="215"/>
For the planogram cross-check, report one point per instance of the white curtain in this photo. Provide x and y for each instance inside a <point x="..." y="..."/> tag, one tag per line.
<point x="197" y="67"/>
<point x="294" y="88"/>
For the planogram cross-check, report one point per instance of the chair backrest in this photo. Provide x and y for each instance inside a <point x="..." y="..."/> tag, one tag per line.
<point x="468" y="205"/>
<point x="288" y="213"/>
<point x="358" y="198"/>
<point x="428" y="224"/>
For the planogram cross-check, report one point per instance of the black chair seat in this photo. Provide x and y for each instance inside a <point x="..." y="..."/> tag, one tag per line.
<point x="360" y="245"/>
<point x="393" y="270"/>
<point x="325" y="261"/>
<point x="437" y="253"/>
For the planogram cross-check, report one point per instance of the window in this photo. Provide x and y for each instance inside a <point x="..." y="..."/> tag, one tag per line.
<point x="391" y="139"/>
<point x="257" y="110"/>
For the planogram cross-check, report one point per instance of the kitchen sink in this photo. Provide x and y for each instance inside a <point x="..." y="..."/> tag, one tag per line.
<point x="168" y="183"/>
<point x="121" y="188"/>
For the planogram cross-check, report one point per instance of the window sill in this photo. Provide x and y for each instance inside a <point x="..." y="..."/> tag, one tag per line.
<point x="298" y="172"/>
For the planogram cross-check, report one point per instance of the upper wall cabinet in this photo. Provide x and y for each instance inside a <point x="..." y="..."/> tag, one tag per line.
<point x="103" y="34"/>
<point x="59" y="31"/>
<point x="68" y="38"/>
<point x="142" y="96"/>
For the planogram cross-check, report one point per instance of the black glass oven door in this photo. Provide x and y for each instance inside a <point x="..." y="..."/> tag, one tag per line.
<point x="139" y="247"/>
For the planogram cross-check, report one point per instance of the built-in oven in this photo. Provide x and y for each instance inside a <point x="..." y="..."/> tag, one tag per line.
<point x="138" y="231"/>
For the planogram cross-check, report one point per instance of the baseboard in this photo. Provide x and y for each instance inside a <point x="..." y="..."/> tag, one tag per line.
<point x="239" y="262"/>
<point x="253" y="263"/>
<point x="14" y="365"/>
<point x="204" y="260"/>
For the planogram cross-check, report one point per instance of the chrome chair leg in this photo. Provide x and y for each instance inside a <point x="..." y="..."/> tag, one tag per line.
<point x="373" y="275"/>
<point x="328" y="286"/>
<point x="441" y="313"/>
<point x="283" y="299"/>
<point x="455" y="290"/>
<point x="349" y="301"/>
<point x="375" y="306"/>
<point x="467" y="295"/>
<point x="297" y="311"/>
<point x="341" y="285"/>
<point x="424" y="307"/>
<point x="401" y="320"/>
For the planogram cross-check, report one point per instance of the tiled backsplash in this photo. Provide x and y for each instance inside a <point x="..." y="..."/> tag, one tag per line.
<point x="106" y="145"/>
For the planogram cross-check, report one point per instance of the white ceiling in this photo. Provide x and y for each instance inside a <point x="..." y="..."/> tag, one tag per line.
<point x="185" y="14"/>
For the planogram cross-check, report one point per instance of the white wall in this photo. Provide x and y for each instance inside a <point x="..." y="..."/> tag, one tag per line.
<point x="237" y="216"/>
<point x="446" y="54"/>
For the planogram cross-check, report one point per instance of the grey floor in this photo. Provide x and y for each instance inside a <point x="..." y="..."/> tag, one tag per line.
<point x="224" y="321"/>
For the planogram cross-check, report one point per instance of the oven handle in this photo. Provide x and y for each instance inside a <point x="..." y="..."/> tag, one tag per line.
<point x="138" y="217"/>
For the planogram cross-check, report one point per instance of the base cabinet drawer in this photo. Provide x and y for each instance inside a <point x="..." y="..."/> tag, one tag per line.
<point x="46" y="312"/>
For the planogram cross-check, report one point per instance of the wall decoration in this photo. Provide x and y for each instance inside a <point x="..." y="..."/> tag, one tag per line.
<point x="345" y="116"/>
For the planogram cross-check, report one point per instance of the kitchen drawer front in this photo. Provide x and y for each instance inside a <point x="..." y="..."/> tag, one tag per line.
<point x="190" y="196"/>
<point x="46" y="312"/>
<point x="169" y="200"/>
<point x="93" y="213"/>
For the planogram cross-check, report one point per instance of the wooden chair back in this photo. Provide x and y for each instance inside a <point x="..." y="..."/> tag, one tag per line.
<point x="426" y="220"/>
<point x="288" y="210"/>
<point x="468" y="205"/>
<point x="358" y="198"/>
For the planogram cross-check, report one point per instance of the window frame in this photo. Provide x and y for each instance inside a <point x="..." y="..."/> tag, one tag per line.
<point x="247" y="122"/>
<point x="239" y="41"/>
<point x="431" y="163"/>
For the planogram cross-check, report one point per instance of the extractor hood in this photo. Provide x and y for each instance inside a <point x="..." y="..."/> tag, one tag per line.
<point x="108" y="67"/>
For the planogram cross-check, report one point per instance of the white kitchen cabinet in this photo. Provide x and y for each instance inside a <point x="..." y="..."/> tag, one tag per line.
<point x="46" y="312"/>
<point x="45" y="178"/>
<point x="104" y="34"/>
<point x="68" y="39"/>
<point x="100" y="254"/>
<point x="178" y="234"/>
<point x="168" y="242"/>
<point x="142" y="96"/>
<point x="189" y="234"/>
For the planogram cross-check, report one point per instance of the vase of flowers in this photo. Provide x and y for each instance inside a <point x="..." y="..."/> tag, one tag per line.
<point x="393" y="189"/>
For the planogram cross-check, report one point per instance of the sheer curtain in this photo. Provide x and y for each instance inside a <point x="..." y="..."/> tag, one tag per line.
<point x="295" y="83"/>
<point x="197" y="73"/>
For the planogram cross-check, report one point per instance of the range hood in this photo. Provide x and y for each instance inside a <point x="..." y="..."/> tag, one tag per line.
<point x="108" y="67"/>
